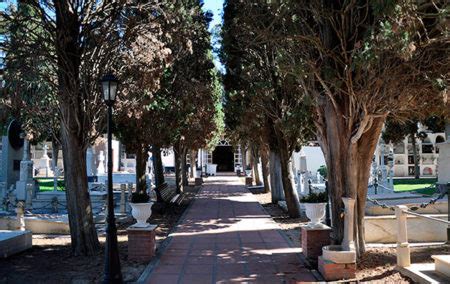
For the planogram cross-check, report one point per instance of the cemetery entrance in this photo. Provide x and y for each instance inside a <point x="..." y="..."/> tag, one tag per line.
<point x="223" y="156"/>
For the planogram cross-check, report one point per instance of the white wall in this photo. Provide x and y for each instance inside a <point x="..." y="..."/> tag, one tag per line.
<point x="314" y="158"/>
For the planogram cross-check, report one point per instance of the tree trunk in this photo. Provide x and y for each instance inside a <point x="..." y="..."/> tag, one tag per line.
<point x="276" y="183"/>
<point x="141" y="165"/>
<point x="415" y="156"/>
<point x="265" y="168"/>
<point x="74" y="130"/>
<point x="82" y="229"/>
<point x="157" y="166"/>
<point x="348" y="161"/>
<point x="244" y="158"/>
<point x="184" y="169"/>
<point x="178" y="167"/>
<point x="290" y="192"/>
<point x="255" y="162"/>
<point x="193" y="169"/>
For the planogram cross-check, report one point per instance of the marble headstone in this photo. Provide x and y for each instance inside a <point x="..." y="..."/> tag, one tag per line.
<point x="43" y="164"/>
<point x="90" y="162"/>
<point x="26" y="173"/>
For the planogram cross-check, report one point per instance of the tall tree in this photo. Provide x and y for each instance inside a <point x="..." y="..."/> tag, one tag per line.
<point x="360" y="62"/>
<point x="364" y="61"/>
<point x="287" y="113"/>
<point x="192" y="93"/>
<point x="81" y="42"/>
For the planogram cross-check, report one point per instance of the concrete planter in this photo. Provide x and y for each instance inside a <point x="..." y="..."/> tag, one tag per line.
<point x="337" y="254"/>
<point x="141" y="212"/>
<point x="315" y="212"/>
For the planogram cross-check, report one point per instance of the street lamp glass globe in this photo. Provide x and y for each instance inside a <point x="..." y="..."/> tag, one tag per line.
<point x="109" y="86"/>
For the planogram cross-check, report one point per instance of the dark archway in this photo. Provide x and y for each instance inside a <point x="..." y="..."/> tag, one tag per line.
<point x="223" y="156"/>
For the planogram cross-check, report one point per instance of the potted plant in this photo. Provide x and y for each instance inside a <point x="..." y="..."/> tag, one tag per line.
<point x="141" y="208"/>
<point x="315" y="205"/>
<point x="248" y="171"/>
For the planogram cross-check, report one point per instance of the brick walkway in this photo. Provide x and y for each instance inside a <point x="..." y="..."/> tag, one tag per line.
<point x="227" y="237"/>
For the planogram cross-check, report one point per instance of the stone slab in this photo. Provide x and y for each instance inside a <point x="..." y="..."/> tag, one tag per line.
<point x="38" y="224"/>
<point x="423" y="273"/>
<point x="383" y="229"/>
<point x="442" y="264"/>
<point x="12" y="242"/>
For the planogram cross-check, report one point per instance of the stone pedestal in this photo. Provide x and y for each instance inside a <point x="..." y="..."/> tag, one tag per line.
<point x="90" y="162"/>
<point x="248" y="181"/>
<point x="313" y="239"/>
<point x="198" y="181"/>
<point x="332" y="271"/>
<point x="26" y="173"/>
<point x="141" y="243"/>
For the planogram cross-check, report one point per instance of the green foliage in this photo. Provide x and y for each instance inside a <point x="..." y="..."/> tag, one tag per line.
<point x="323" y="171"/>
<point x="139" y="197"/>
<point x="260" y="98"/>
<point x="29" y="75"/>
<point x="313" y="197"/>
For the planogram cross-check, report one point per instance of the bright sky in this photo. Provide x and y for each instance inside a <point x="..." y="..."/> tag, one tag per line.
<point x="216" y="7"/>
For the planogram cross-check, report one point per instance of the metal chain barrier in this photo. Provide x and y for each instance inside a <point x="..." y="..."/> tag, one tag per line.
<point x="382" y="205"/>
<point x="413" y="208"/>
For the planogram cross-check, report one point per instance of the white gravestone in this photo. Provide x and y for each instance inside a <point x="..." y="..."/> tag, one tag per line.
<point x="444" y="162"/>
<point x="43" y="164"/>
<point x="101" y="164"/>
<point x="26" y="173"/>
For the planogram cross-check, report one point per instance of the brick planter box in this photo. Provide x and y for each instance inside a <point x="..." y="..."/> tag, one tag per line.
<point x="198" y="181"/>
<point x="141" y="243"/>
<point x="313" y="239"/>
<point x="332" y="271"/>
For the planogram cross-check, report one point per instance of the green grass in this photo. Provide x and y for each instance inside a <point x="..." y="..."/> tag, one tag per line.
<point x="46" y="184"/>
<point x="421" y="186"/>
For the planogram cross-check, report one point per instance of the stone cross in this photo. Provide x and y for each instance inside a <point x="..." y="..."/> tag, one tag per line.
<point x="130" y="191"/>
<point x="123" y="188"/>
<point x="101" y="163"/>
<point x="45" y="151"/>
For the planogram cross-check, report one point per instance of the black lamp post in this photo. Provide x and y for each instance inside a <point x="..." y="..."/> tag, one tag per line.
<point x="112" y="272"/>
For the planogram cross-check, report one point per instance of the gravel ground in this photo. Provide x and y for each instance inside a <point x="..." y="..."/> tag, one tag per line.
<point x="375" y="266"/>
<point x="50" y="260"/>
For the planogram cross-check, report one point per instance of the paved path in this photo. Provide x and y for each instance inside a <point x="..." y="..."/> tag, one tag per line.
<point x="226" y="236"/>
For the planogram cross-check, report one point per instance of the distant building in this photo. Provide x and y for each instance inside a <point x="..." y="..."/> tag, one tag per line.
<point x="403" y="159"/>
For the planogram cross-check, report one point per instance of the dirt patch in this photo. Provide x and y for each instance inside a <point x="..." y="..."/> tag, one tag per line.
<point x="375" y="266"/>
<point x="51" y="261"/>
<point x="378" y="264"/>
